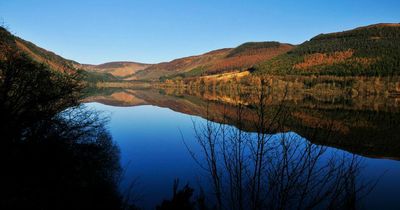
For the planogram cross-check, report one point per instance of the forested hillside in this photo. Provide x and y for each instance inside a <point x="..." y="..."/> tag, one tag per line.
<point x="370" y="51"/>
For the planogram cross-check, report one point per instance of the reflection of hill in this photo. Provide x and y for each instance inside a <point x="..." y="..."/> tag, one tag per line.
<point x="368" y="133"/>
<point x="117" y="98"/>
<point x="366" y="126"/>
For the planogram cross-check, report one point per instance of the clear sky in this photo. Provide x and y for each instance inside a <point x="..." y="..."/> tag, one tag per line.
<point x="151" y="31"/>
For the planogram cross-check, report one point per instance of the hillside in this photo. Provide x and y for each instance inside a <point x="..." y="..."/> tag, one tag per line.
<point x="9" y="42"/>
<point x="121" y="69"/>
<point x="369" y="51"/>
<point x="215" y="62"/>
<point x="180" y="65"/>
<point x="13" y="44"/>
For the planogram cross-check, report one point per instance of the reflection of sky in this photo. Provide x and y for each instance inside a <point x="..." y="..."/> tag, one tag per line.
<point x="150" y="142"/>
<point x="153" y="152"/>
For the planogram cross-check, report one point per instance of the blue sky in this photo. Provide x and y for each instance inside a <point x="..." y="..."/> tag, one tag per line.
<point x="152" y="31"/>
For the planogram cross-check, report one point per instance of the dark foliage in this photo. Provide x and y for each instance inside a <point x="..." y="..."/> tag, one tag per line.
<point x="63" y="164"/>
<point x="183" y="199"/>
<point x="30" y="92"/>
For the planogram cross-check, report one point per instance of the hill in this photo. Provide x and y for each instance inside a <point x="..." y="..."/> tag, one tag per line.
<point x="216" y="62"/>
<point x="368" y="51"/>
<point x="13" y="44"/>
<point x="180" y="65"/>
<point x="9" y="42"/>
<point x="120" y="69"/>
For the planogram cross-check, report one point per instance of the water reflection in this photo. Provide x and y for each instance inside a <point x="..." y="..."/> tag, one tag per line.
<point x="361" y="127"/>
<point x="281" y="171"/>
<point x="275" y="157"/>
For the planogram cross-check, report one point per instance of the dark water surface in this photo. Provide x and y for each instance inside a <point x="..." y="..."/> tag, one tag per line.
<point x="156" y="133"/>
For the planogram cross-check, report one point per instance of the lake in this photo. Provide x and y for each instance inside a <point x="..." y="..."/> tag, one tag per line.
<point x="211" y="142"/>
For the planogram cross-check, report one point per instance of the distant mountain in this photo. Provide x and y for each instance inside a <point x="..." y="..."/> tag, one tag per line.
<point x="121" y="69"/>
<point x="217" y="61"/>
<point x="369" y="51"/>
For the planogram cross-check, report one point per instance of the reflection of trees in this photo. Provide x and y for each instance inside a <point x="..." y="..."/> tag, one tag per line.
<point x="50" y="158"/>
<point x="283" y="171"/>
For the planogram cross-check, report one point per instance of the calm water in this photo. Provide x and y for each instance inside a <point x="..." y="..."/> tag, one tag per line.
<point x="153" y="152"/>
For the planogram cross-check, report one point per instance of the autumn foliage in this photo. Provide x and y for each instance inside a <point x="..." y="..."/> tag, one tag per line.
<point x="317" y="59"/>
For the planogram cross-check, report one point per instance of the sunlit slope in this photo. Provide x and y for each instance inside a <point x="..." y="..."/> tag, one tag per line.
<point x="216" y="62"/>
